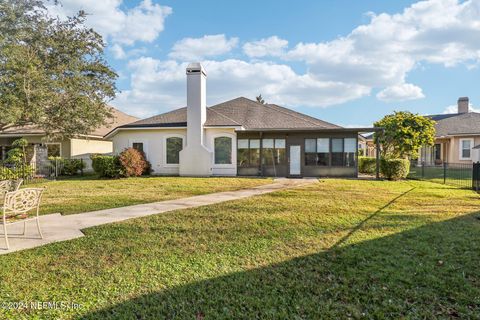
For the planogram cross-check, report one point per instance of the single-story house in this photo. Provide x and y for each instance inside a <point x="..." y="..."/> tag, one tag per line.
<point x="79" y="147"/>
<point x="456" y="136"/>
<point x="239" y="137"/>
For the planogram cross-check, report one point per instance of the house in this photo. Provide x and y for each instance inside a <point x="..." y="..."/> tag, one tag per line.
<point x="456" y="137"/>
<point x="79" y="147"/>
<point x="367" y="145"/>
<point x="239" y="137"/>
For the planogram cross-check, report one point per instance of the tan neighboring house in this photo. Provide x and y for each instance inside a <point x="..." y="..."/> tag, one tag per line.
<point x="456" y="137"/>
<point x="80" y="147"/>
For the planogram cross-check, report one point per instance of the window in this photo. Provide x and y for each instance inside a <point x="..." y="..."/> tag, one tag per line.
<point x="138" y="146"/>
<point x="310" y="152"/>
<point x="223" y="150"/>
<point x="242" y="152"/>
<point x="273" y="152"/>
<point x="350" y="150"/>
<point x="337" y="152"/>
<point x="466" y="149"/>
<point x="254" y="158"/>
<point x="323" y="151"/>
<point x="174" y="145"/>
<point x="279" y="151"/>
<point x="53" y="149"/>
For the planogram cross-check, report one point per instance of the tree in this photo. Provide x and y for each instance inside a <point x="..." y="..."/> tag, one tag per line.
<point x="52" y="71"/>
<point x="404" y="133"/>
<point x="260" y="99"/>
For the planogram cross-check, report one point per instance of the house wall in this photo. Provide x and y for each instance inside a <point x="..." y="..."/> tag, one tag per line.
<point x="222" y="169"/>
<point x="153" y="145"/>
<point x="454" y="149"/>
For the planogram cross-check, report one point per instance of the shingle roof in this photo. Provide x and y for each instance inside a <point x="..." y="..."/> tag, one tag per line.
<point x="239" y="112"/>
<point x="456" y="124"/>
<point x="119" y="118"/>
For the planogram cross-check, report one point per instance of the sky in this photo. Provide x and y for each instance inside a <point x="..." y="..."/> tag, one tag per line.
<point x="348" y="62"/>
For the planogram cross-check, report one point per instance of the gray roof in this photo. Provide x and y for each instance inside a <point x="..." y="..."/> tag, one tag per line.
<point x="242" y="112"/>
<point x="456" y="124"/>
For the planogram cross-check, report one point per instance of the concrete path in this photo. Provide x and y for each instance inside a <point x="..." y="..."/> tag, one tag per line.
<point x="57" y="227"/>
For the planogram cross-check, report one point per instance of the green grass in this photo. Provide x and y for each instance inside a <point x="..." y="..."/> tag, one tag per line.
<point x="334" y="250"/>
<point x="88" y="193"/>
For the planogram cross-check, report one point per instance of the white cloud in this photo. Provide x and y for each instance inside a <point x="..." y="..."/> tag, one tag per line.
<point x="158" y="86"/>
<point x="272" y="46"/>
<point x="143" y="22"/>
<point x="454" y="109"/>
<point x="381" y="53"/>
<point x="190" y="49"/>
<point x="401" y="92"/>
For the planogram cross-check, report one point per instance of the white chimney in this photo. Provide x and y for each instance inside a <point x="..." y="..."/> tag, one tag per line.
<point x="196" y="102"/>
<point x="462" y="105"/>
<point x="195" y="158"/>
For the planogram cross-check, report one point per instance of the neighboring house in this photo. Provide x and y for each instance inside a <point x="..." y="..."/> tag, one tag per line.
<point x="456" y="137"/>
<point x="367" y="145"/>
<point x="79" y="147"/>
<point x="239" y="137"/>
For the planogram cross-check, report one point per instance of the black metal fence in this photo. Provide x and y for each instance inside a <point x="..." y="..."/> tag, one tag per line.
<point x="456" y="174"/>
<point x="42" y="170"/>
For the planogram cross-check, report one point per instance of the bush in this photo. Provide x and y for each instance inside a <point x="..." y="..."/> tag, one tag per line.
<point x="107" y="166"/>
<point x="69" y="167"/>
<point x="367" y="165"/>
<point x="394" y="169"/>
<point x="133" y="163"/>
<point x="17" y="172"/>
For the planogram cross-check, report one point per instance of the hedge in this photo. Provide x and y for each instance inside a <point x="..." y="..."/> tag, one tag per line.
<point x="69" y="167"/>
<point x="23" y="172"/>
<point x="107" y="166"/>
<point x="394" y="169"/>
<point x="367" y="165"/>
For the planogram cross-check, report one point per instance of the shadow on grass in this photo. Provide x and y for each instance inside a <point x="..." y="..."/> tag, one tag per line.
<point x="428" y="272"/>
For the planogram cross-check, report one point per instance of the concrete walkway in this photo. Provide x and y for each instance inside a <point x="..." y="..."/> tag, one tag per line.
<point x="57" y="227"/>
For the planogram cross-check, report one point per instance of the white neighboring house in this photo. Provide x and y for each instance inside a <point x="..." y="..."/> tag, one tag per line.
<point x="239" y="137"/>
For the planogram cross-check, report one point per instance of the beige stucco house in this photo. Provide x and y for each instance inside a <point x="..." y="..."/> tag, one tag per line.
<point x="456" y="137"/>
<point x="80" y="147"/>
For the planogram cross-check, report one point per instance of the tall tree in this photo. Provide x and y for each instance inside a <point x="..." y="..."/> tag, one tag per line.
<point x="404" y="134"/>
<point x="52" y="71"/>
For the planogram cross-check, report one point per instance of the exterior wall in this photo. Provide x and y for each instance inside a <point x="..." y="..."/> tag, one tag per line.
<point x="222" y="169"/>
<point x="154" y="143"/>
<point x="454" y="150"/>
<point x="450" y="151"/>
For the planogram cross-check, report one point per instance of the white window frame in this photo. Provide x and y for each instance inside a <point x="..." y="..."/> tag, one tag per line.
<point x="50" y="143"/>
<point x="173" y="135"/>
<point x="460" y="147"/>
<point x="234" y="150"/>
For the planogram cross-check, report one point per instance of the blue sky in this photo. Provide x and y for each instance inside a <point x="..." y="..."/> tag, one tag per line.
<point x="347" y="62"/>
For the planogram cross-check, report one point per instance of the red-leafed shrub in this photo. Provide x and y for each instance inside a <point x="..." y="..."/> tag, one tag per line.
<point x="133" y="163"/>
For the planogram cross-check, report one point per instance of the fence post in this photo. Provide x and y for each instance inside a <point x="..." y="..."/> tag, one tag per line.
<point x="444" y="172"/>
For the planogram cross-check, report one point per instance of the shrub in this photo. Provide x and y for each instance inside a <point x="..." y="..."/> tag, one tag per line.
<point x="69" y="167"/>
<point x="133" y="163"/>
<point x="394" y="169"/>
<point x="107" y="166"/>
<point x="367" y="165"/>
<point x="16" y="172"/>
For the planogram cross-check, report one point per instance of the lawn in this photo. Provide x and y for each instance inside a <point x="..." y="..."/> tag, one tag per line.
<point x="88" y="193"/>
<point x="337" y="249"/>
